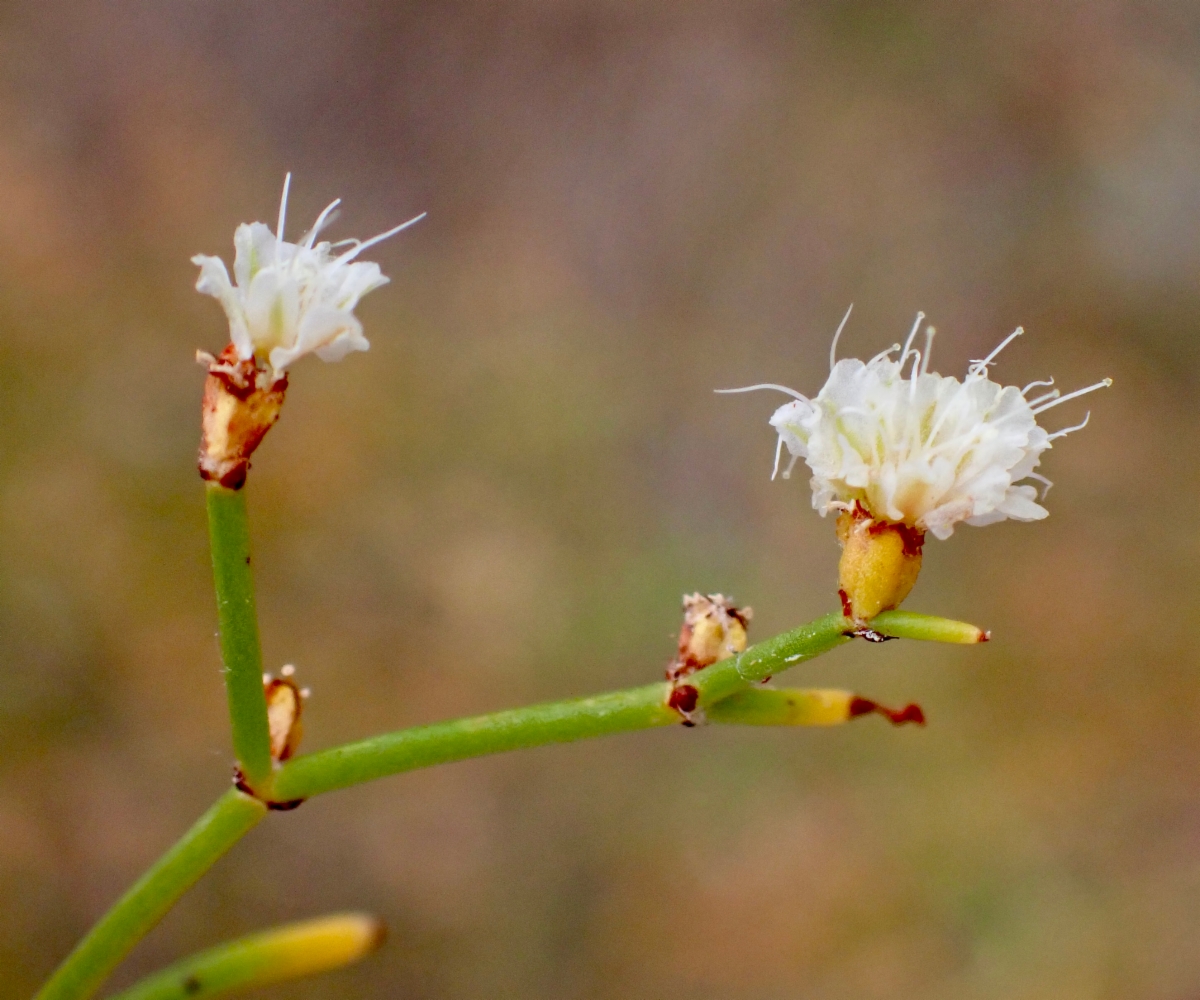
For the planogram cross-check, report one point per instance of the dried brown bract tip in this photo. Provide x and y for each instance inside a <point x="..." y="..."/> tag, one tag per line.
<point x="896" y="716"/>
<point x="285" y="702"/>
<point x="713" y="630"/>
<point x="242" y="400"/>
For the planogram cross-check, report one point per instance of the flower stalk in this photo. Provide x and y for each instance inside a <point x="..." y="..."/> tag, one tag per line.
<point x="241" y="652"/>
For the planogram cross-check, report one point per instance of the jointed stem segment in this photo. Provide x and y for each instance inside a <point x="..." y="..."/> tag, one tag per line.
<point x="240" y="649"/>
<point x="85" y="969"/>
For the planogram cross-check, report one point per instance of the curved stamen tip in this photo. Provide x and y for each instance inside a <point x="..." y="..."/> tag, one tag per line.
<point x="763" y="385"/>
<point x="837" y="337"/>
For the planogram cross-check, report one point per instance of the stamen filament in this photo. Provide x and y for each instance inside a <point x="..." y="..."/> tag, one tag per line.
<point x="833" y="346"/>
<point x="764" y="385"/>
<point x="1104" y="383"/>
<point x="287" y="183"/>
<point x="981" y="366"/>
<point x="911" y="334"/>
<point x="883" y="354"/>
<point x="1053" y="394"/>
<point x="321" y="220"/>
<point x="1070" y="430"/>
<point x="351" y="254"/>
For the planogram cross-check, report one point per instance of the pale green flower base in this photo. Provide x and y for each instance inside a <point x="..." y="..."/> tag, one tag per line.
<point x="235" y="813"/>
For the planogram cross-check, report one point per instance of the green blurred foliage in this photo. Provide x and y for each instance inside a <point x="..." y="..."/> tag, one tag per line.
<point x="630" y="205"/>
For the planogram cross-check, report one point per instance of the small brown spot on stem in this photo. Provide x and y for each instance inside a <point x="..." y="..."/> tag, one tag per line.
<point x="191" y="985"/>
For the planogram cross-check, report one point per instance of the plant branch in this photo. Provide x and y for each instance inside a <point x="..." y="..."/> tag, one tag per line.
<point x="581" y="718"/>
<point x="240" y="650"/>
<point x="135" y="913"/>
<point x="282" y="953"/>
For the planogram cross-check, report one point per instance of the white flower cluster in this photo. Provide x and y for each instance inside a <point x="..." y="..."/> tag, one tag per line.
<point x="293" y="299"/>
<point x="924" y="450"/>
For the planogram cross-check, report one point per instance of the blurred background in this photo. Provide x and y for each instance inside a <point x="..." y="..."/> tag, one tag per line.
<point x="629" y="206"/>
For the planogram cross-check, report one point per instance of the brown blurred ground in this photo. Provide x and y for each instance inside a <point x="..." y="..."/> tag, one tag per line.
<point x="629" y="206"/>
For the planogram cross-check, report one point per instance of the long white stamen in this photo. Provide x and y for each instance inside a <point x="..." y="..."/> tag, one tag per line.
<point x="1034" y="385"/>
<point x="778" y="452"/>
<point x="911" y="334"/>
<point x="929" y="333"/>
<point x="1102" y="384"/>
<point x="287" y="183"/>
<point x="981" y="366"/>
<point x="351" y="254"/>
<point x="764" y="385"/>
<point x="836" y="336"/>
<point x="320" y="223"/>
<point x="1070" y="430"/>
<point x="787" y="473"/>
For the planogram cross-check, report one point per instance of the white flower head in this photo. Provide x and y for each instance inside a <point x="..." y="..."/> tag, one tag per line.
<point x="292" y="299"/>
<point x="921" y="449"/>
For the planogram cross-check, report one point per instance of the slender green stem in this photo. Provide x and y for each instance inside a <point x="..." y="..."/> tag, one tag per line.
<point x="274" y="956"/>
<point x="86" y="968"/>
<point x="581" y="718"/>
<point x="424" y="746"/>
<point x="240" y="650"/>
<point x="771" y="656"/>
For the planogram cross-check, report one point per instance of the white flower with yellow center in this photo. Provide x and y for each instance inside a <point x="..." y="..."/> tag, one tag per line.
<point x="895" y="446"/>
<point x="292" y="299"/>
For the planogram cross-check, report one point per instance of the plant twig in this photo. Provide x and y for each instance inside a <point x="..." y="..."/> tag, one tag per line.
<point x="86" y="968"/>
<point x="274" y="956"/>
<point x="581" y="718"/>
<point x="240" y="650"/>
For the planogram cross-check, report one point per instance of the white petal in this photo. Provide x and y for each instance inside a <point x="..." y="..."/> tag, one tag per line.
<point x="254" y="248"/>
<point x="214" y="281"/>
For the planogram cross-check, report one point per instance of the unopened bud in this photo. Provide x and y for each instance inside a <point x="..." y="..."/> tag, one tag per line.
<point x="241" y="403"/>
<point x="879" y="565"/>
<point x="713" y="630"/>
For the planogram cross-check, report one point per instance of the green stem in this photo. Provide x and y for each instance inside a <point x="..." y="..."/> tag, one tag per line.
<point x="581" y="718"/>
<point x="771" y="656"/>
<point x="518" y="728"/>
<point x="274" y="956"/>
<point x="86" y="968"/>
<point x="229" y="534"/>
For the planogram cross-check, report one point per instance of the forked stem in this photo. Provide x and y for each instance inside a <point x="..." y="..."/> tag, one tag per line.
<point x="644" y="707"/>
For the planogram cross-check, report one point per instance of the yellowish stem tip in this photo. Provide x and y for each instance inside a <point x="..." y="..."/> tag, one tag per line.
<point x="324" y="943"/>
